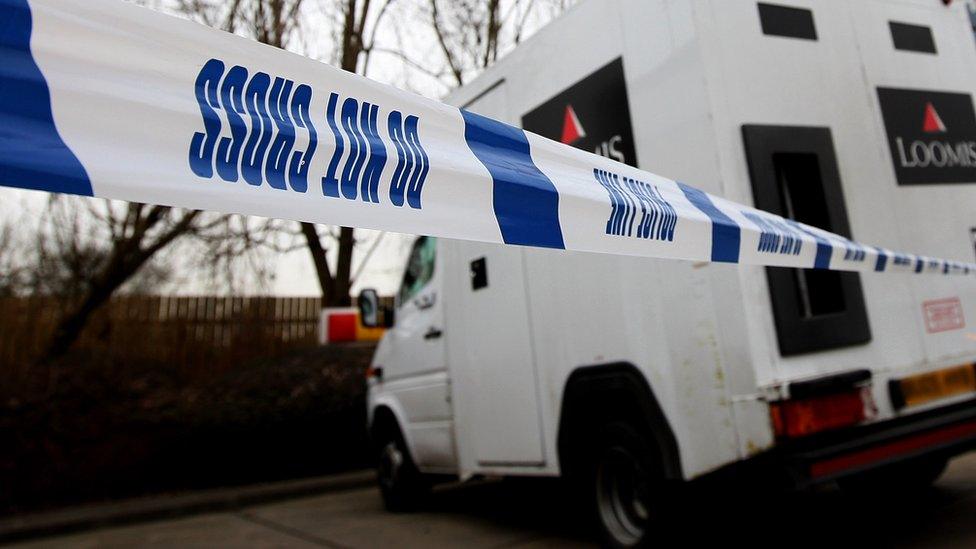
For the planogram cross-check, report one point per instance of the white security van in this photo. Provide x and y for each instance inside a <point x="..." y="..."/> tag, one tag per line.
<point x="628" y="374"/>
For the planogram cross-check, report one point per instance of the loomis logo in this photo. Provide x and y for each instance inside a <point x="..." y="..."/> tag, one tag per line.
<point x="592" y="115"/>
<point x="933" y="122"/>
<point x="572" y="129"/>
<point x="932" y="135"/>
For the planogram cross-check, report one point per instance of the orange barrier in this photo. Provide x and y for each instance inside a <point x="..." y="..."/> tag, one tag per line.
<point x="341" y="324"/>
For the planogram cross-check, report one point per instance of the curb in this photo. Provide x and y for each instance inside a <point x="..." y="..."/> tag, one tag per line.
<point x="170" y="506"/>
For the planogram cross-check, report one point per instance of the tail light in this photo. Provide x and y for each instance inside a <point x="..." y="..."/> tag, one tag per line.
<point x="814" y="414"/>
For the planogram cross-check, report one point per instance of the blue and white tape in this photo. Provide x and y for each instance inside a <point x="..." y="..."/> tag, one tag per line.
<point x="104" y="98"/>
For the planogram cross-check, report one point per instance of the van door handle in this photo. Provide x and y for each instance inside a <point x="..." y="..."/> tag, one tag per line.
<point x="433" y="333"/>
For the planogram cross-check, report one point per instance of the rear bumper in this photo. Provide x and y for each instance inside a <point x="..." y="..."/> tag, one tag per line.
<point x="945" y="431"/>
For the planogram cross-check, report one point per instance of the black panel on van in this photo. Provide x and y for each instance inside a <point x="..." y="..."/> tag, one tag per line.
<point x="794" y="174"/>
<point x="912" y="37"/>
<point x="787" y="21"/>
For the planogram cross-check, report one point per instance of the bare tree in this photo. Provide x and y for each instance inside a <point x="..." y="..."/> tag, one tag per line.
<point x="94" y="248"/>
<point x="13" y="270"/>
<point x="351" y="50"/>
<point x="472" y="34"/>
<point x="72" y="245"/>
<point x="137" y="233"/>
<point x="86" y="251"/>
<point x="278" y="23"/>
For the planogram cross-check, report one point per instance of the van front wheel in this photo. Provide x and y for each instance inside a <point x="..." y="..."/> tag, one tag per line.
<point x="402" y="485"/>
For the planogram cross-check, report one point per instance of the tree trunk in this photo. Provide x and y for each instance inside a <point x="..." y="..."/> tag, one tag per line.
<point x="319" y="259"/>
<point x="335" y="287"/>
<point x="342" y="282"/>
<point x="73" y="322"/>
<point x="128" y="255"/>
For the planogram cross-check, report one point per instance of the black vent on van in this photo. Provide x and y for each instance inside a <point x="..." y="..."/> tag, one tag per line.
<point x="787" y="21"/>
<point x="794" y="174"/>
<point x="909" y="37"/>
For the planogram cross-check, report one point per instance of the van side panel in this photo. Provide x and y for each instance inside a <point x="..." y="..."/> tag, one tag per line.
<point x="705" y="336"/>
<point x="660" y="316"/>
<point x="654" y="314"/>
<point x="674" y="128"/>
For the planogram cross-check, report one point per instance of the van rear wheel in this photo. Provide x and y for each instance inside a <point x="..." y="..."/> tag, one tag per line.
<point x="402" y="485"/>
<point x="626" y="487"/>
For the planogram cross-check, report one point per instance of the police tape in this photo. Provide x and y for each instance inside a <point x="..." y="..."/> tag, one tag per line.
<point x="103" y="98"/>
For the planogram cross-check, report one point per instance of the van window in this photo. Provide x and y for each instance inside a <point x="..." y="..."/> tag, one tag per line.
<point x="818" y="292"/>
<point x="420" y="268"/>
<point x="794" y="174"/>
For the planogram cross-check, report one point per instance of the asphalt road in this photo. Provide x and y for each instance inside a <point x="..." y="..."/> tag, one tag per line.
<point x="536" y="514"/>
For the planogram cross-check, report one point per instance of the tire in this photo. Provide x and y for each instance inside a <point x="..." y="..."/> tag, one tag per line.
<point x="401" y="484"/>
<point x="626" y="488"/>
<point x="907" y="477"/>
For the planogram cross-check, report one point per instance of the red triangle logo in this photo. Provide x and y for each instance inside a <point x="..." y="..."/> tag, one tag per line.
<point x="572" y="129"/>
<point x="933" y="123"/>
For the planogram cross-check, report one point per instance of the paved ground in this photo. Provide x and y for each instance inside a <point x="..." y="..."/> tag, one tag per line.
<point x="534" y="514"/>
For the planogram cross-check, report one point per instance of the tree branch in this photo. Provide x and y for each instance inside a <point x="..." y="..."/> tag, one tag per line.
<point x="448" y="55"/>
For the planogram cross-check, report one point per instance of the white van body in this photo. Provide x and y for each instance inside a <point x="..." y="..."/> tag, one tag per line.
<point x="476" y="377"/>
